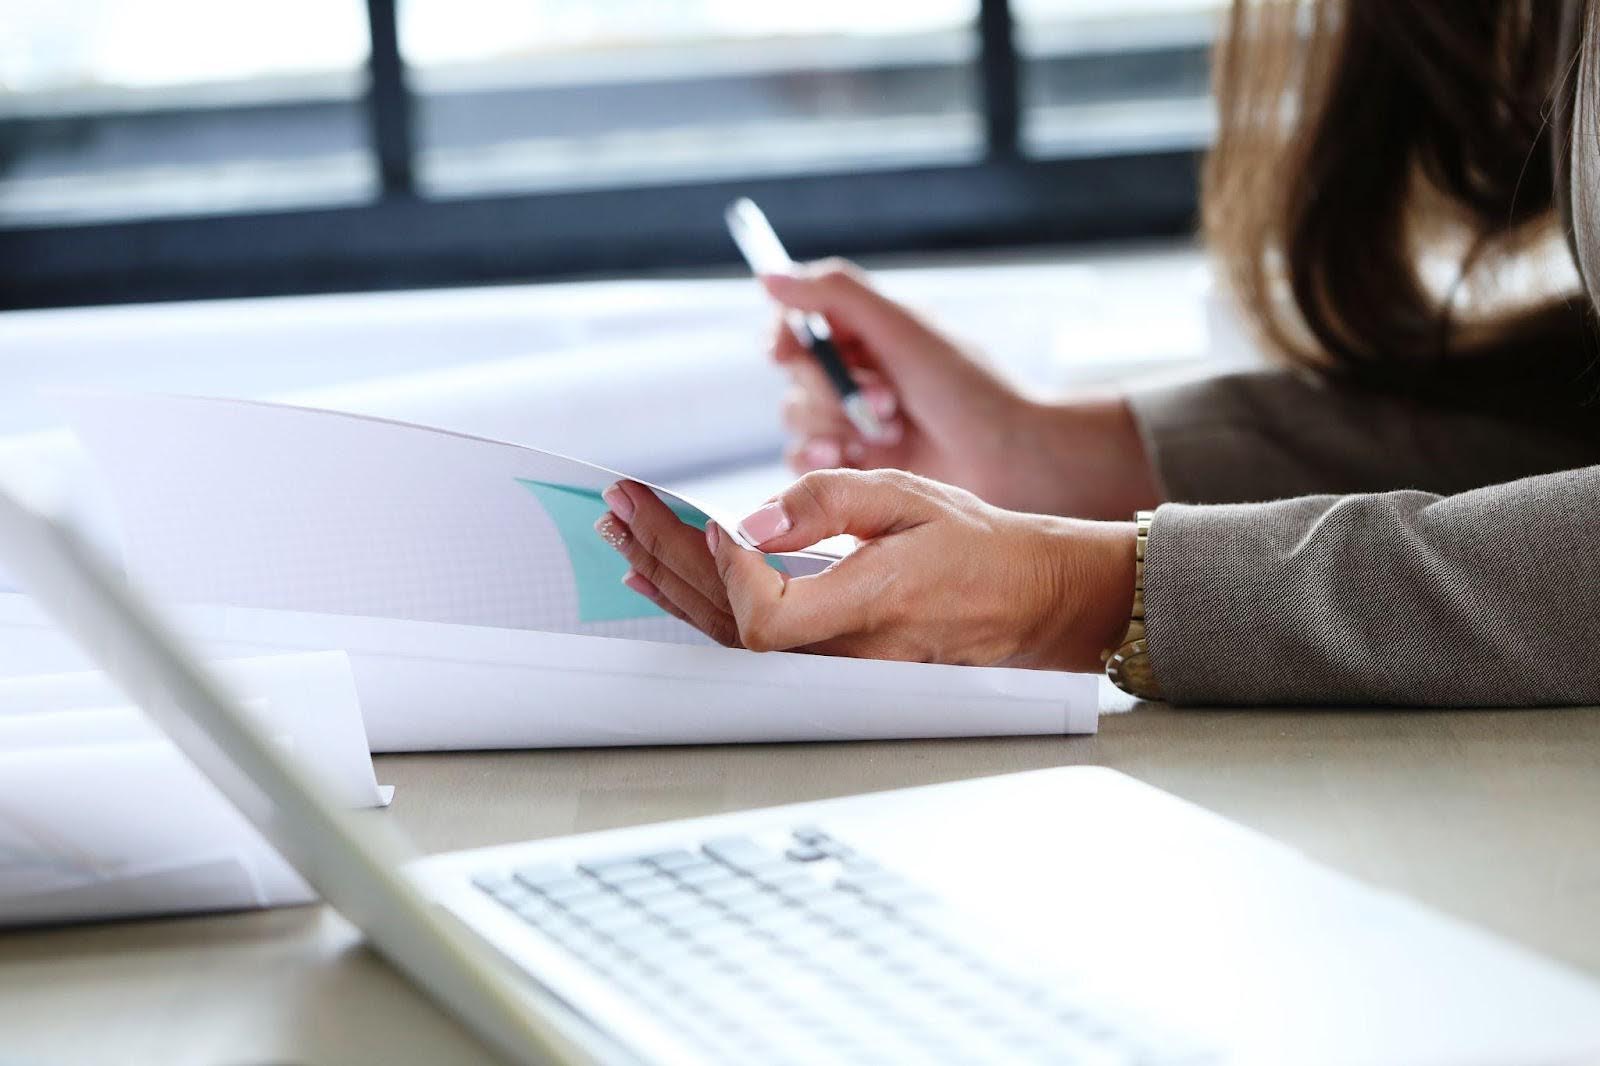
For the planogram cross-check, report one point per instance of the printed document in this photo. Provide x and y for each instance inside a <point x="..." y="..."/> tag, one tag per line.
<point x="464" y="578"/>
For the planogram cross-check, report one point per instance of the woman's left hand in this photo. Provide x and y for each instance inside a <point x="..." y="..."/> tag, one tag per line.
<point x="940" y="576"/>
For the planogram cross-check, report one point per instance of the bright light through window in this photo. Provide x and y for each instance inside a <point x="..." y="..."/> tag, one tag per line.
<point x="540" y="94"/>
<point x="53" y="45"/>
<point x="1115" y="76"/>
<point x="124" y="109"/>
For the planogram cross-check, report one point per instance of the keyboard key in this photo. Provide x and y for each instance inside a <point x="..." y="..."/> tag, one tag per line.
<point x="535" y="909"/>
<point x="669" y="906"/>
<point x="619" y="872"/>
<point x="731" y="889"/>
<point x="704" y="874"/>
<point x="643" y="892"/>
<point x="756" y="906"/>
<point x="671" y="860"/>
<point x="570" y="887"/>
<point x="800" y="887"/>
<point x="496" y="884"/>
<point x="738" y="852"/>
<point x="541" y="874"/>
<point x="805" y="853"/>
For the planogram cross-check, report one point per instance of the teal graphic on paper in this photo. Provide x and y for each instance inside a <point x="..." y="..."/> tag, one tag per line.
<point x="596" y="566"/>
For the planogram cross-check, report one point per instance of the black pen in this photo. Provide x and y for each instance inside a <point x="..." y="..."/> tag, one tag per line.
<point x="759" y="245"/>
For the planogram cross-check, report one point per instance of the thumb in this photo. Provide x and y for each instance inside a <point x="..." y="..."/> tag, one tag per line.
<point x="844" y="294"/>
<point x="826" y="503"/>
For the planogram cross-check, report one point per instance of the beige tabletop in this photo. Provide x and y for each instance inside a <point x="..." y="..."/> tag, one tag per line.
<point x="1491" y="816"/>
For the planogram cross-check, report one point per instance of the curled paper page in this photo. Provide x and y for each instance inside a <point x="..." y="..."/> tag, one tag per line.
<point x="287" y="508"/>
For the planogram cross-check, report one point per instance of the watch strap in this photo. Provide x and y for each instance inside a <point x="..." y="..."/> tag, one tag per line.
<point x="1128" y="664"/>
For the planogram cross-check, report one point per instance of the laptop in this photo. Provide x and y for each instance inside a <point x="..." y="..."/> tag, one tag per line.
<point x="1061" y="916"/>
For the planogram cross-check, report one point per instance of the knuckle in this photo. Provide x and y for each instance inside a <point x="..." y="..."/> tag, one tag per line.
<point x="645" y="537"/>
<point x="897" y="482"/>
<point x="756" y="632"/>
<point x="753" y="640"/>
<point x="835" y="273"/>
<point x="648" y="567"/>
<point x="813" y="494"/>
<point x="831" y="491"/>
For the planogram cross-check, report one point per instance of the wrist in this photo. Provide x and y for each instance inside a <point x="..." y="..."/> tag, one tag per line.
<point x="1088" y="594"/>
<point x="1096" y="463"/>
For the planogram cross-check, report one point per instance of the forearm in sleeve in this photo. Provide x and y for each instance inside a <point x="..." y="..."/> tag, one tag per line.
<point x="1275" y="434"/>
<point x="1486" y="598"/>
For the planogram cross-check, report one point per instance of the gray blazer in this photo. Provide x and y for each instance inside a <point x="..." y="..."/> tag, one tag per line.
<point x="1408" y="555"/>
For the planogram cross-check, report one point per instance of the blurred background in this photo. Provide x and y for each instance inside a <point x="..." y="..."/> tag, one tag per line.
<point x="174" y="149"/>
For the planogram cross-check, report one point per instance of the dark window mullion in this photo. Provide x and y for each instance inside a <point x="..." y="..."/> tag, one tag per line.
<point x="389" y="102"/>
<point x="1001" y="98"/>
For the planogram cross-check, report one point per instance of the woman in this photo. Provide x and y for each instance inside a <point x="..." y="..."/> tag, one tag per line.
<point x="1431" y="530"/>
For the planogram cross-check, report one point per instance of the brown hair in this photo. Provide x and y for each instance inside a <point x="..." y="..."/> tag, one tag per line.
<point x="1357" y="137"/>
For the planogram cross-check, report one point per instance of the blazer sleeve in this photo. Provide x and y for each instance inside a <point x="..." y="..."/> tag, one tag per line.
<point x="1274" y="434"/>
<point x="1484" y="598"/>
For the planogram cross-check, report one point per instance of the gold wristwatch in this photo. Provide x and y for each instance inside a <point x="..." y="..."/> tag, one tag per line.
<point x="1128" y="664"/>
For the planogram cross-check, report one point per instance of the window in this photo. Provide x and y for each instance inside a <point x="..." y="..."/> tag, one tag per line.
<point x="1115" y="76"/>
<point x="186" y="148"/>
<point x="547" y="94"/>
<point x="180" y="107"/>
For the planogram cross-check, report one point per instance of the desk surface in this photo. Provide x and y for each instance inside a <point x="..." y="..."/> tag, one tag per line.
<point x="1486" y="815"/>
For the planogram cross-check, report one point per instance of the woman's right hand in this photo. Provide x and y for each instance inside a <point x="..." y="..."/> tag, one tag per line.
<point x="949" y="416"/>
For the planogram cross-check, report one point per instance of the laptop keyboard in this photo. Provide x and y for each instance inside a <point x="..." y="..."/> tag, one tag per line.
<point x="805" y="951"/>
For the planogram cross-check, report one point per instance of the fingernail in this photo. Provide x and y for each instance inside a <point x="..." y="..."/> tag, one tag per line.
<point x="641" y="584"/>
<point x="713" y="536"/>
<point x="612" y="531"/>
<point x="619" y="502"/>
<point x="778" y="277"/>
<point x="821" y="454"/>
<point x="765" y="523"/>
<point x="883" y="402"/>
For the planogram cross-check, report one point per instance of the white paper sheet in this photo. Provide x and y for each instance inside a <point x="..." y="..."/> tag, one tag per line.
<point x="114" y="830"/>
<point x="262" y="505"/>
<point x="22" y="731"/>
<point x="101" y="816"/>
<point x="310" y="697"/>
<point x="428" y="686"/>
<point x="722" y="397"/>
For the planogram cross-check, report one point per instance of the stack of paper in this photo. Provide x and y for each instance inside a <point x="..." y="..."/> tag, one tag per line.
<point x="478" y="606"/>
<point x="101" y="816"/>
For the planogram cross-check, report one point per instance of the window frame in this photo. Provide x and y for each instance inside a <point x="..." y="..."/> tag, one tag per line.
<point x="403" y="240"/>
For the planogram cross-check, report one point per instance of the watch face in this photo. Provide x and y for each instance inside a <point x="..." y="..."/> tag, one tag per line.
<point x="1130" y="670"/>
